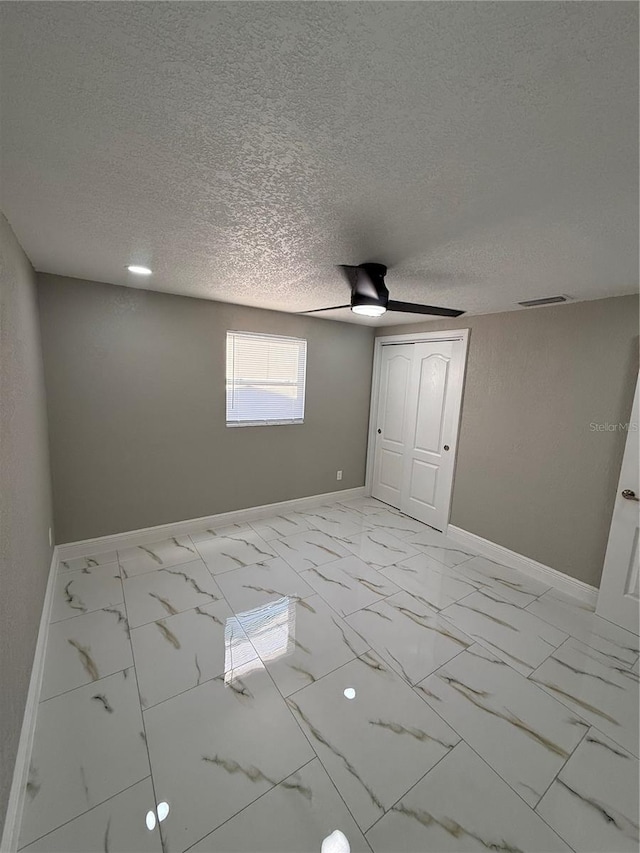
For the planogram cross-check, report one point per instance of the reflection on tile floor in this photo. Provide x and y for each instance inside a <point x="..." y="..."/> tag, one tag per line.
<point x="258" y="687"/>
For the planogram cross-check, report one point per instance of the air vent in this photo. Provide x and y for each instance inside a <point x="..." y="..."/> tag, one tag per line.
<point x="547" y="300"/>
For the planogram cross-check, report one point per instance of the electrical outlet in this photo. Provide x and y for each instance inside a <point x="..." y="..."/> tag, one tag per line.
<point x="338" y="475"/>
<point x="50" y="537"/>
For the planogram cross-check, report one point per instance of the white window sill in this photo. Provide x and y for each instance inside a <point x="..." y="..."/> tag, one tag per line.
<point x="262" y="423"/>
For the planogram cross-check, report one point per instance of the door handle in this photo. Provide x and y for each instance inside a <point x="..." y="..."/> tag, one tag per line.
<point x="379" y="432"/>
<point x="630" y="495"/>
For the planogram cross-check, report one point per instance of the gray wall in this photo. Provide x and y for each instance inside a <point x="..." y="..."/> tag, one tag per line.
<point x="531" y="475"/>
<point x="136" y="397"/>
<point x="25" y="493"/>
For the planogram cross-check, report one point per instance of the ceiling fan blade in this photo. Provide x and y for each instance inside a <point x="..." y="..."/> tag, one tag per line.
<point x="316" y="310"/>
<point x="412" y="308"/>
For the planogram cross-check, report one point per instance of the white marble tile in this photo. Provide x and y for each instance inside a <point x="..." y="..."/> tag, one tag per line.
<point x="364" y="521"/>
<point x="224" y="530"/>
<point x="604" y="694"/>
<point x="182" y="651"/>
<point x="225" y="553"/>
<point x="366" y="575"/>
<point x="256" y="585"/>
<point x="460" y="806"/>
<point x="379" y="548"/>
<point x="367" y="506"/>
<point x="429" y="581"/>
<point x="401" y="526"/>
<point x="88" y="589"/>
<point x="79" y="563"/>
<point x="409" y="635"/>
<point x="217" y="748"/>
<point x="117" y="826"/>
<point x="88" y="746"/>
<point x="156" y="555"/>
<point x="517" y="728"/>
<point x="514" y="634"/>
<point x="154" y="595"/>
<point x="336" y="520"/>
<point x="440" y="547"/>
<point x="308" y="644"/>
<point x="294" y="817"/>
<point x="376" y="745"/>
<point x="279" y="526"/>
<point x="593" y="804"/>
<point x="307" y="550"/>
<point x="270" y="630"/>
<point x="349" y="584"/>
<point x="578" y="619"/>
<point x="504" y="581"/>
<point x="86" y="648"/>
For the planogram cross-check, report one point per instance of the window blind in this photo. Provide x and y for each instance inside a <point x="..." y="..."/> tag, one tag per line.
<point x="265" y="379"/>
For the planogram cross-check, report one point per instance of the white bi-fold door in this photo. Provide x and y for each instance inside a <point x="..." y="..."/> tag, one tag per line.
<point x="396" y="367"/>
<point x="420" y="389"/>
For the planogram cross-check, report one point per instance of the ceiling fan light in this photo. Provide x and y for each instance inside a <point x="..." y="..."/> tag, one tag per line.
<point x="369" y="310"/>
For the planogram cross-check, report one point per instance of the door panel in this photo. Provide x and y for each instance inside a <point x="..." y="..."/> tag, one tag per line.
<point x="618" y="599"/>
<point x="391" y="464"/>
<point x="394" y="412"/>
<point x="435" y="386"/>
<point x="395" y="373"/>
<point x="423" y="484"/>
<point x="430" y="413"/>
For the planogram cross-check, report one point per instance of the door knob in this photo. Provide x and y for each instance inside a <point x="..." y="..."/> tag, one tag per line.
<point x="630" y="495"/>
<point x="446" y="447"/>
<point x="379" y="432"/>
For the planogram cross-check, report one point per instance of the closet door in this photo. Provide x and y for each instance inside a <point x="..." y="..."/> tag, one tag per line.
<point x="433" y="399"/>
<point x="396" y="365"/>
<point x="619" y="596"/>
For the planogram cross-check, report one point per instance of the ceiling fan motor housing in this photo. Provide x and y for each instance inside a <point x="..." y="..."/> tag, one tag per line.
<point x="369" y="287"/>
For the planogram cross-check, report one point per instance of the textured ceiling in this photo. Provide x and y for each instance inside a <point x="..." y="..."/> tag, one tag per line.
<point x="487" y="152"/>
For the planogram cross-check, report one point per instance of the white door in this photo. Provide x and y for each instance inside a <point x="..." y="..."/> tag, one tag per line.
<point x="432" y="423"/>
<point x="618" y="599"/>
<point x="417" y="427"/>
<point x="391" y="434"/>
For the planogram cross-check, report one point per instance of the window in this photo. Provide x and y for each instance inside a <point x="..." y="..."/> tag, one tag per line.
<point x="265" y="379"/>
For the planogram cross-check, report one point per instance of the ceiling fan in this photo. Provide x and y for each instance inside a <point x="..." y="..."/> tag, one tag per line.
<point x="370" y="297"/>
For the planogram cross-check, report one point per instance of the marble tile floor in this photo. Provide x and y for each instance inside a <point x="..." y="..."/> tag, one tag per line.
<point x="340" y="673"/>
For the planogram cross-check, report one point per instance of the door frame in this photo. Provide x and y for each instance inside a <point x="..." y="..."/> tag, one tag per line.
<point x="415" y="338"/>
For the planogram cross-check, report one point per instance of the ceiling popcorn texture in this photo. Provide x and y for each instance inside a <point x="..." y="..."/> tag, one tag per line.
<point x="486" y="152"/>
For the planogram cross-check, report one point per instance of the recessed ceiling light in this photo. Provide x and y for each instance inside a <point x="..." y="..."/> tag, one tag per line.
<point x="150" y="820"/>
<point x="350" y="693"/>
<point x="134" y="268"/>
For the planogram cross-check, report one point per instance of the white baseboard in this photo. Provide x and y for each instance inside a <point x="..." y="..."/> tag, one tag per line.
<point x="545" y="574"/>
<point x="17" y="794"/>
<point x="99" y="545"/>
